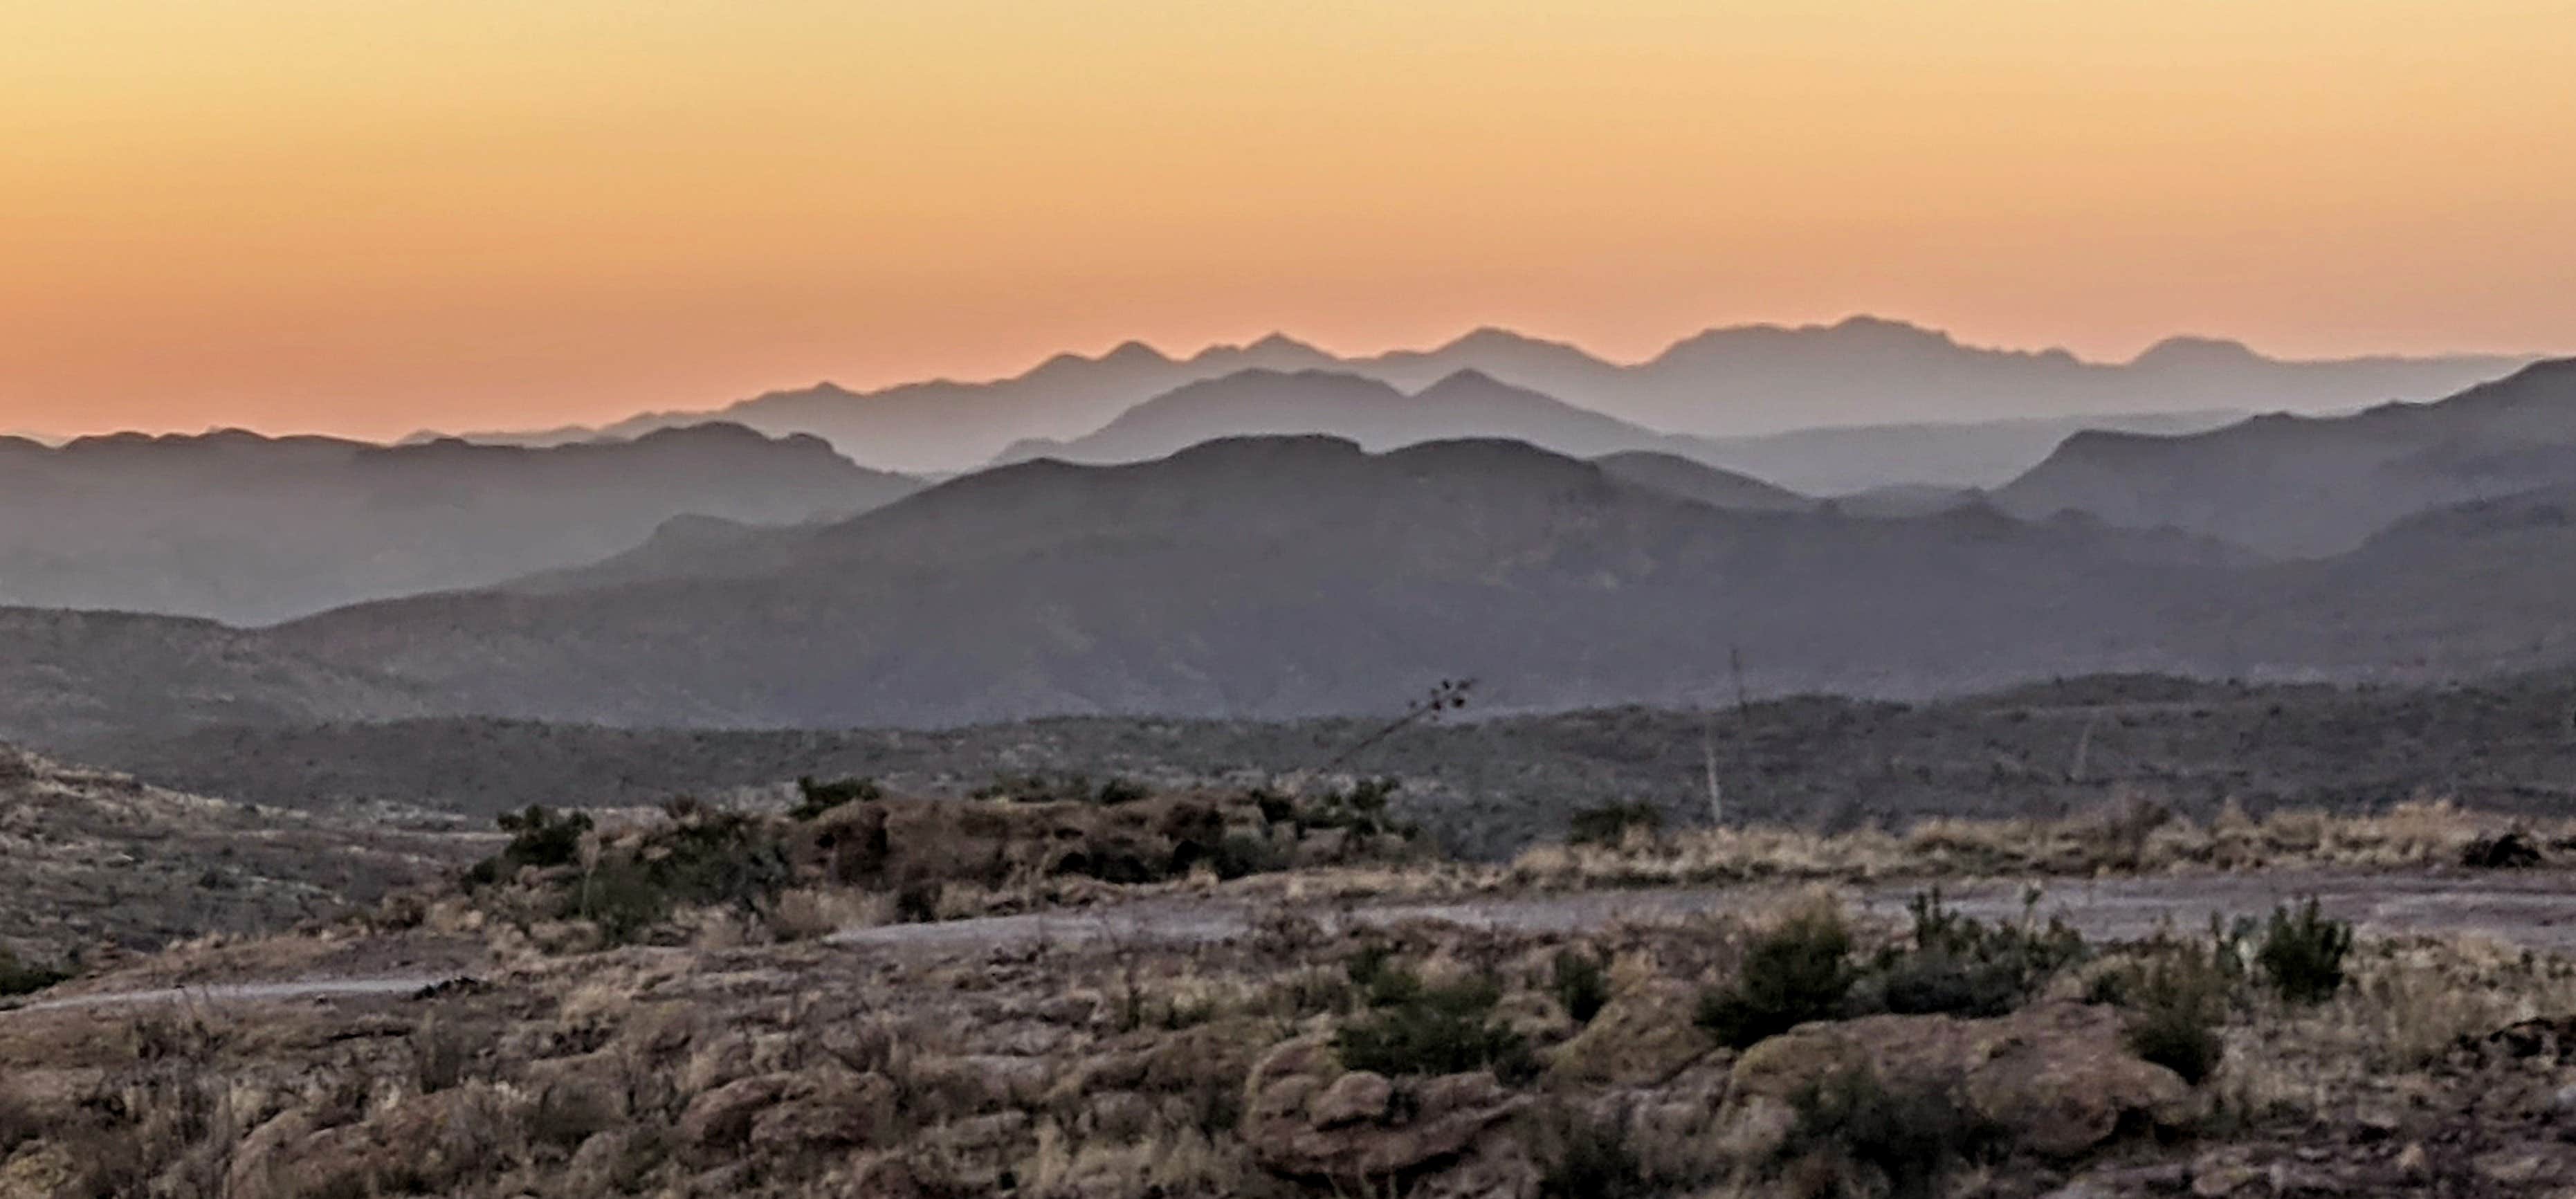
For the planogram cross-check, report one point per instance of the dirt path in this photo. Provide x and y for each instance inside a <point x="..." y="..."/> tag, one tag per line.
<point x="219" y="994"/>
<point x="2536" y="909"/>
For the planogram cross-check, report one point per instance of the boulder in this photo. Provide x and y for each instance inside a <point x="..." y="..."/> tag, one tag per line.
<point x="1360" y="1096"/>
<point x="722" y="1118"/>
<point x="1642" y="1038"/>
<point x="2055" y="1077"/>
<point x="1303" y="1120"/>
<point x="834" y="1111"/>
<point x="436" y="1141"/>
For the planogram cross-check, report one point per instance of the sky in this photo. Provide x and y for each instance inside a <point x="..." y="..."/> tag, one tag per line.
<point x="370" y="217"/>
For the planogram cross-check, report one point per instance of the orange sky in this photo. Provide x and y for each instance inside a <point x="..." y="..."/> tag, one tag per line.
<point x="370" y="216"/>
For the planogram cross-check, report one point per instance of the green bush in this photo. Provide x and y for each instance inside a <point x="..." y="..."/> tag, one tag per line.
<point x="1275" y="808"/>
<point x="1242" y="855"/>
<point x="2302" y="953"/>
<point x="917" y="902"/>
<point x="1586" y="1158"/>
<point x="1911" y="1136"/>
<point x="1960" y="966"/>
<point x="1798" y="972"/>
<point x="19" y="977"/>
<point x="1581" y="983"/>
<point x="1415" y="1029"/>
<point x="705" y="858"/>
<point x="539" y="837"/>
<point x="1609" y="823"/>
<point x="2177" y="1004"/>
<point x="1119" y="791"/>
<point x="814" y="799"/>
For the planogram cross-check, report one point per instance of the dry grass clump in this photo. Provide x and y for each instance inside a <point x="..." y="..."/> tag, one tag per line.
<point x="2131" y="837"/>
<point x="2409" y="1003"/>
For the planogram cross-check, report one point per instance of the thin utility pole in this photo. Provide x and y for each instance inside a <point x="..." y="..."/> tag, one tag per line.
<point x="1743" y="722"/>
<point x="1708" y="762"/>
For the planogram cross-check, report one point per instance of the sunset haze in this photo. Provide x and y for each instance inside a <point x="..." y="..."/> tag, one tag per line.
<point x="372" y="218"/>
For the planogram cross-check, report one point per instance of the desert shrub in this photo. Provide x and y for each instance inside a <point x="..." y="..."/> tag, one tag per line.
<point x="708" y="859"/>
<point x="1362" y="810"/>
<point x="813" y="798"/>
<point x="1957" y="965"/>
<point x="620" y="897"/>
<point x="917" y="902"/>
<point x="21" y="977"/>
<point x="1585" y="1158"/>
<point x="1119" y="791"/>
<point x="1581" y="984"/>
<point x="1415" y="1029"/>
<point x="538" y="837"/>
<point x="1792" y="974"/>
<point x="440" y="1056"/>
<point x="1912" y="1136"/>
<point x="1376" y="978"/>
<point x="2505" y="851"/>
<point x="1609" y="823"/>
<point x="1062" y="788"/>
<point x="1275" y="808"/>
<point x="1241" y="855"/>
<point x="2176" y="1002"/>
<point x="2302" y="953"/>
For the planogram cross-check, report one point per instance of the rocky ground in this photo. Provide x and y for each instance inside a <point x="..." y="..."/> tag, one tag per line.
<point x="826" y="1003"/>
<point x="98" y="865"/>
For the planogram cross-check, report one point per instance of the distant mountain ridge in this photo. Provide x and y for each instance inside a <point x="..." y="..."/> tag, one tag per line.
<point x="251" y="529"/>
<point x="2312" y="486"/>
<point x="1259" y="576"/>
<point x="1374" y="414"/>
<point x="1470" y="403"/>
<point x="1288" y="576"/>
<point x="1730" y="382"/>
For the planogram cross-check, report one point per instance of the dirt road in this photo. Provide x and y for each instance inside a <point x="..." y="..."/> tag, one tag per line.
<point x="2536" y="909"/>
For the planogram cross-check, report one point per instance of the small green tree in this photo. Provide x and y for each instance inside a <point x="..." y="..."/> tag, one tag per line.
<point x="1792" y="974"/>
<point x="1581" y="983"/>
<point x="2303" y="951"/>
<point x="2177" y="1004"/>
<point x="814" y="798"/>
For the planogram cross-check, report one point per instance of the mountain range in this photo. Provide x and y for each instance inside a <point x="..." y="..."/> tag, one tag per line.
<point x="251" y="529"/>
<point x="713" y="576"/>
<point x="1290" y="576"/>
<point x="1728" y="382"/>
<point x="2295" y="486"/>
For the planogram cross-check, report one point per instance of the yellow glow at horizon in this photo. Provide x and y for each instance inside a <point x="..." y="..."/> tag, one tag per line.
<point x="368" y="216"/>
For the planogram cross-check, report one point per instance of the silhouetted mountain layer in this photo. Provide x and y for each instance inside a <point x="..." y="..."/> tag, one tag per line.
<point x="1282" y="577"/>
<point x="1851" y="460"/>
<point x="2298" y="486"/>
<point x="1693" y="480"/>
<point x="1378" y="416"/>
<point x="1373" y="414"/>
<point x="1721" y="383"/>
<point x="251" y="529"/>
<point x="1269" y="577"/>
<point x="66" y="677"/>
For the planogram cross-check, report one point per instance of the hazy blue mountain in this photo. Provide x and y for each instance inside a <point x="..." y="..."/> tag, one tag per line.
<point x="1373" y="414"/>
<point x="1846" y="460"/>
<point x="251" y="529"/>
<point x="1286" y="576"/>
<point x="1270" y="576"/>
<point x="1722" y="383"/>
